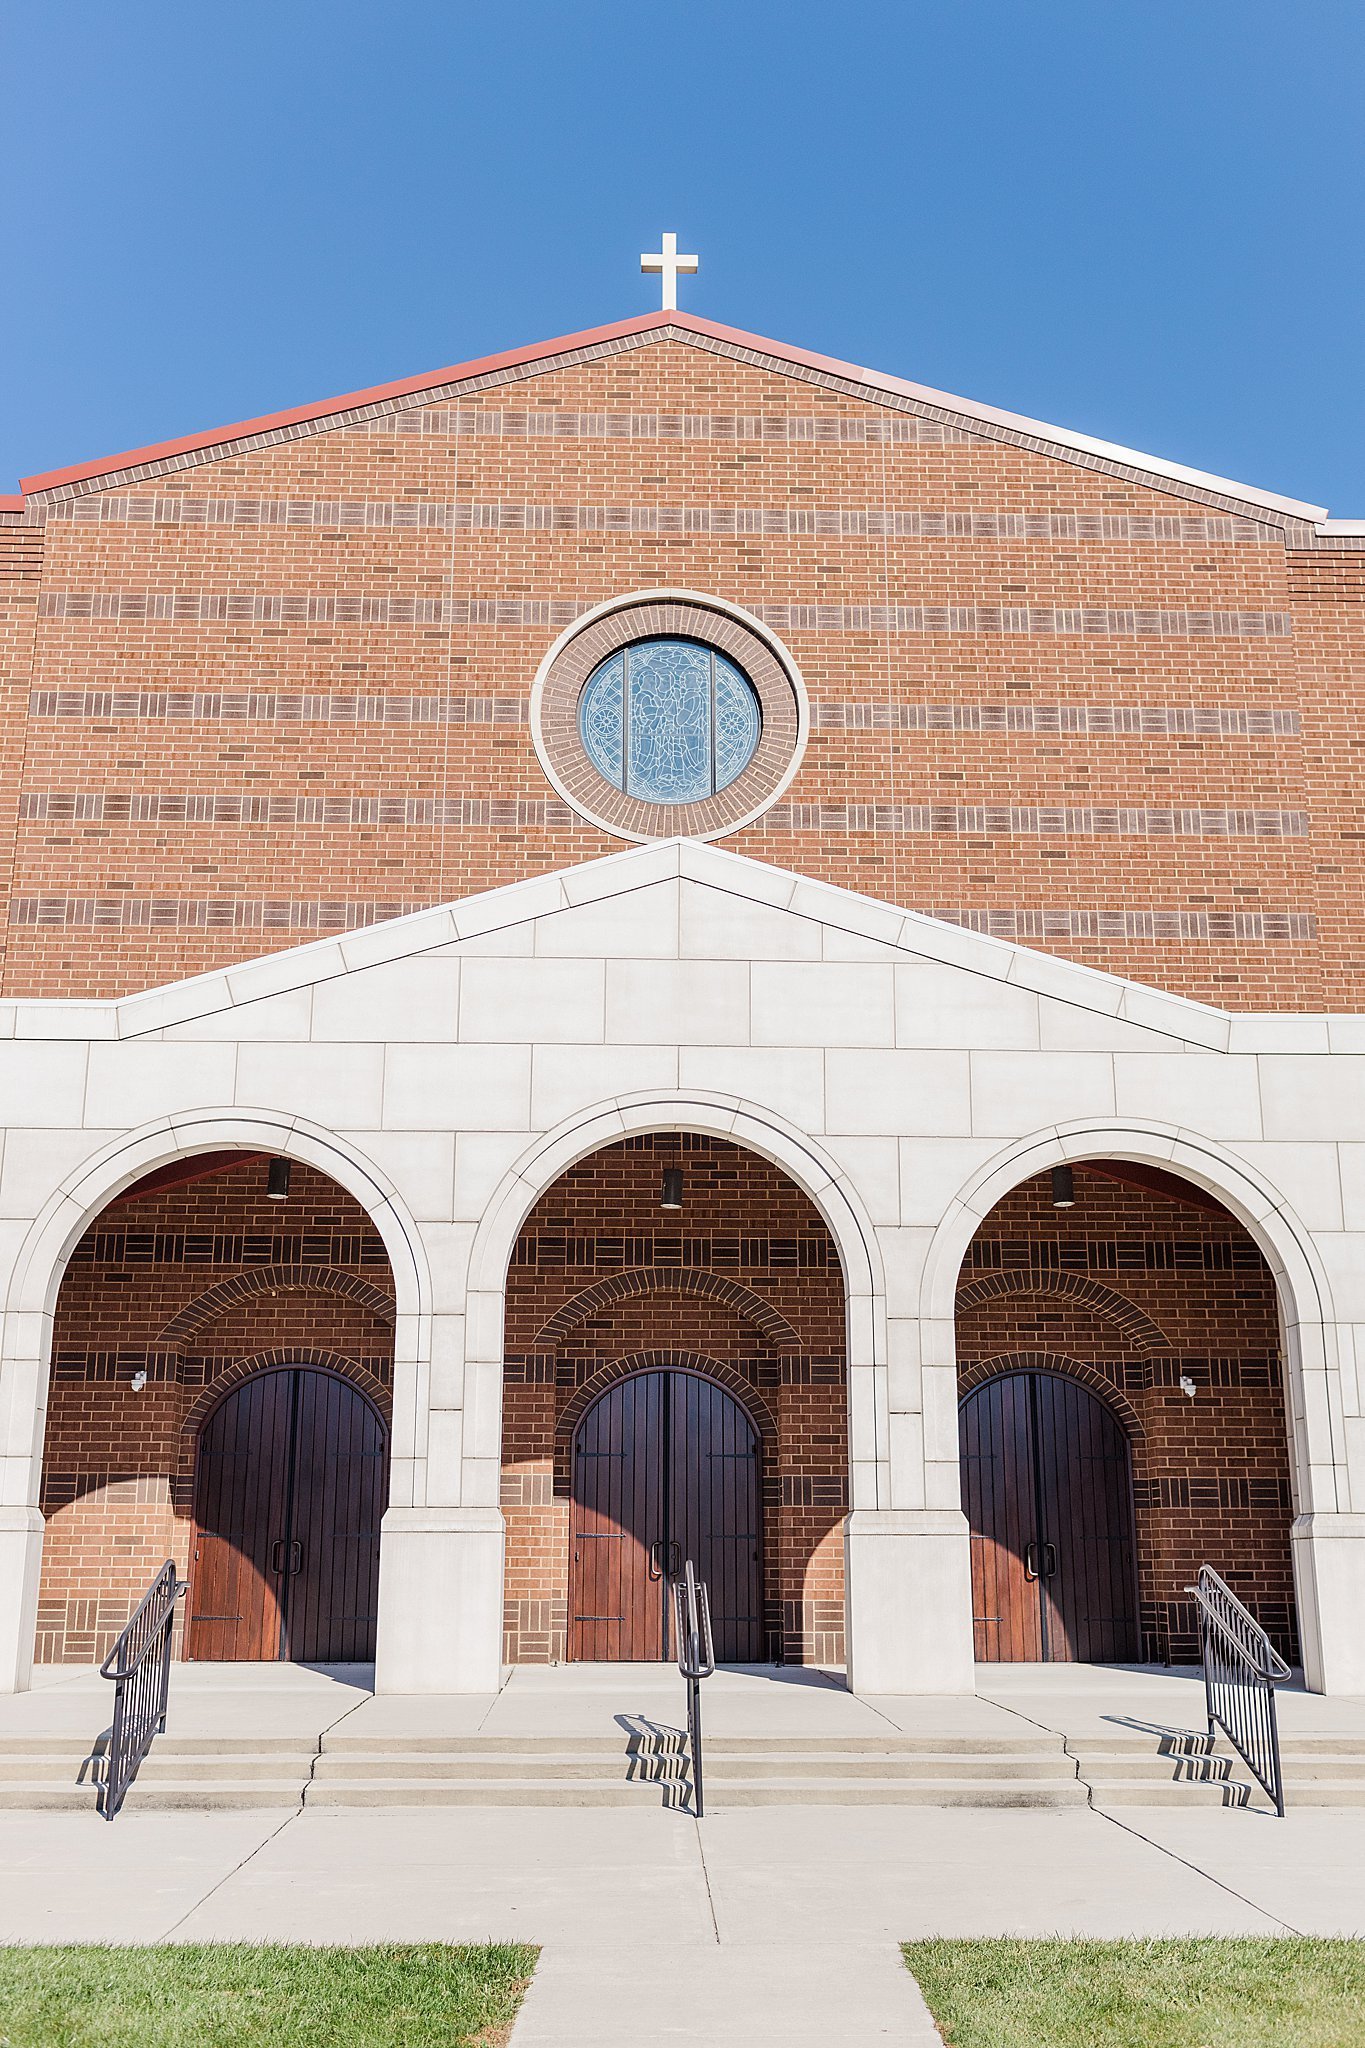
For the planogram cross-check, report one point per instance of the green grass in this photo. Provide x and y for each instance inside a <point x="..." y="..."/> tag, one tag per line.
<point x="236" y="1995"/>
<point x="1212" y="1993"/>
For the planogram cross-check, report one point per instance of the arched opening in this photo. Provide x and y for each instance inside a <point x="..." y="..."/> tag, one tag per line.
<point x="725" y="1320"/>
<point x="221" y="1379"/>
<point x="1123" y="1417"/>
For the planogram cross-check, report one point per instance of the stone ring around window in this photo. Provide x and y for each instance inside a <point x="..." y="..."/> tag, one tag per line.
<point x="669" y="714"/>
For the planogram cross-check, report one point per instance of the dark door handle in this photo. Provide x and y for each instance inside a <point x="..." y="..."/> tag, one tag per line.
<point x="277" y="1555"/>
<point x="295" y="1558"/>
<point x="1030" y="1560"/>
<point x="675" y="1560"/>
<point x="1049" y="1560"/>
<point x="656" y="1558"/>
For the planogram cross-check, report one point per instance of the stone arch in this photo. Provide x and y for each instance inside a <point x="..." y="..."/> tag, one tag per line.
<point x="1076" y="1369"/>
<point x="663" y="1359"/>
<point x="1313" y="1403"/>
<point x="83" y="1192"/>
<point x="226" y="1294"/>
<point x="640" y="1280"/>
<point x="736" y="1122"/>
<point x="1138" y="1328"/>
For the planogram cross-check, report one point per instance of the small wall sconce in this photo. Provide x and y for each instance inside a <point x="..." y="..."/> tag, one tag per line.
<point x="1187" y="1385"/>
<point x="138" y="1382"/>
<point x="670" y="1194"/>
<point x="1063" y="1188"/>
<point x="277" y="1181"/>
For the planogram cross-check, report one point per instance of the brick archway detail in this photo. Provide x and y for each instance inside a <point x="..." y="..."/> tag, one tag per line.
<point x="280" y="1356"/>
<point x="1138" y="1328"/>
<point x="1088" y="1376"/>
<point x="216" y="1300"/>
<point x="638" y="1280"/>
<point x="661" y="1360"/>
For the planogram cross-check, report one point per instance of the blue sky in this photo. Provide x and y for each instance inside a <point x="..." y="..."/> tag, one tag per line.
<point x="1136" y="218"/>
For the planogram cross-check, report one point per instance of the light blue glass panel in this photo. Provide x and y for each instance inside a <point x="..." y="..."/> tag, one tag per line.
<point x="738" y="721"/>
<point x="601" y="719"/>
<point x="668" y="758"/>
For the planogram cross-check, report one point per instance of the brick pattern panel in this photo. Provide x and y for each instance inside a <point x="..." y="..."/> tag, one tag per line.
<point x="746" y="1283"/>
<point x="195" y="1287"/>
<point x="1131" y="1293"/>
<point x="1051" y="699"/>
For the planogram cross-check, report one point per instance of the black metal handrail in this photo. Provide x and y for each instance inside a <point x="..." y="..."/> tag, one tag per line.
<point x="1241" y="1671"/>
<point x="696" y="1660"/>
<point x="139" y="1666"/>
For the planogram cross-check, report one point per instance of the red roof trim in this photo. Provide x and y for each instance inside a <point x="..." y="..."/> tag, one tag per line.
<point x="351" y="401"/>
<point x="1072" y="446"/>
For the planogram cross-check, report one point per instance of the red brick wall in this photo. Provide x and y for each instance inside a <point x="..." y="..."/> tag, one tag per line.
<point x="287" y="691"/>
<point x="1080" y="1290"/>
<point x="748" y="1254"/>
<point x="185" y="1286"/>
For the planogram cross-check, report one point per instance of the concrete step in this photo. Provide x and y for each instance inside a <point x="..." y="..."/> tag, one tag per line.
<point x="1185" y="1792"/>
<point x="164" y="1795"/>
<point x="777" y="1762"/>
<point x="348" y="1738"/>
<point x="805" y="1791"/>
<point x="72" y="1768"/>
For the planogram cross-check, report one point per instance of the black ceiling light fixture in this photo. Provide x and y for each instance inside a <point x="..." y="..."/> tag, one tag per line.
<point x="1063" y="1188"/>
<point x="277" y="1181"/>
<point x="671" y="1192"/>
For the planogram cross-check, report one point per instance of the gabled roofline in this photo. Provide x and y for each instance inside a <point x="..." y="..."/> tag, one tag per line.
<point x="872" y="384"/>
<point x="150" y="1012"/>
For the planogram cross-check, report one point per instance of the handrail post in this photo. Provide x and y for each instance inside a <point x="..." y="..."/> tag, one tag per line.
<point x="139" y="1666"/>
<point x="696" y="1660"/>
<point x="1241" y="1671"/>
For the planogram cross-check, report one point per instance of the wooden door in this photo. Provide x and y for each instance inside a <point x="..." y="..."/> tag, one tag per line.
<point x="999" y="1499"/>
<point x="291" y="1483"/>
<point x="1047" y="1491"/>
<point x="665" y="1467"/>
<point x="616" y="1601"/>
<point x="241" y="1490"/>
<point x="340" y="1490"/>
<point x="714" y="1510"/>
<point x="1089" y="1569"/>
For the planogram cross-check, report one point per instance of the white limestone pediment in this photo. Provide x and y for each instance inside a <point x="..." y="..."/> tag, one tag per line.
<point x="674" y="943"/>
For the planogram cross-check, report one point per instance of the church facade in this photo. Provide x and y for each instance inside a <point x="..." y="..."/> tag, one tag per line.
<point x="662" y="946"/>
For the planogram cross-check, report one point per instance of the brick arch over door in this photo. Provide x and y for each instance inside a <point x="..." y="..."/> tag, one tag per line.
<point x="734" y="1383"/>
<point x="1116" y="1308"/>
<point x="702" y="1285"/>
<point x="982" y="1369"/>
<point x="243" y="1287"/>
<point x="279" y="1358"/>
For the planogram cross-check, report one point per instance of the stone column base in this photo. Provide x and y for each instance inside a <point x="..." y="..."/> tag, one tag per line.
<point x="1329" y="1586"/>
<point x="440" y="1600"/>
<point x="909" y="1580"/>
<point x="21" y="1561"/>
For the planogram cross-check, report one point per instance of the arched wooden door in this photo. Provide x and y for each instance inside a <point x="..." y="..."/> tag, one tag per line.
<point x="665" y="1467"/>
<point x="1047" y="1490"/>
<point x="291" y="1482"/>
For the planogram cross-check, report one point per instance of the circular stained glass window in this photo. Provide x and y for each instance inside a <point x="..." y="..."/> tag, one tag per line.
<point x="669" y="721"/>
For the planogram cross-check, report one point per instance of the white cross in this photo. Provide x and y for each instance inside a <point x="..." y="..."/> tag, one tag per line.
<point x="670" y="263"/>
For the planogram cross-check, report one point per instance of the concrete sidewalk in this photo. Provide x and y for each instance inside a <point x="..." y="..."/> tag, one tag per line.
<point x="770" y="1926"/>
